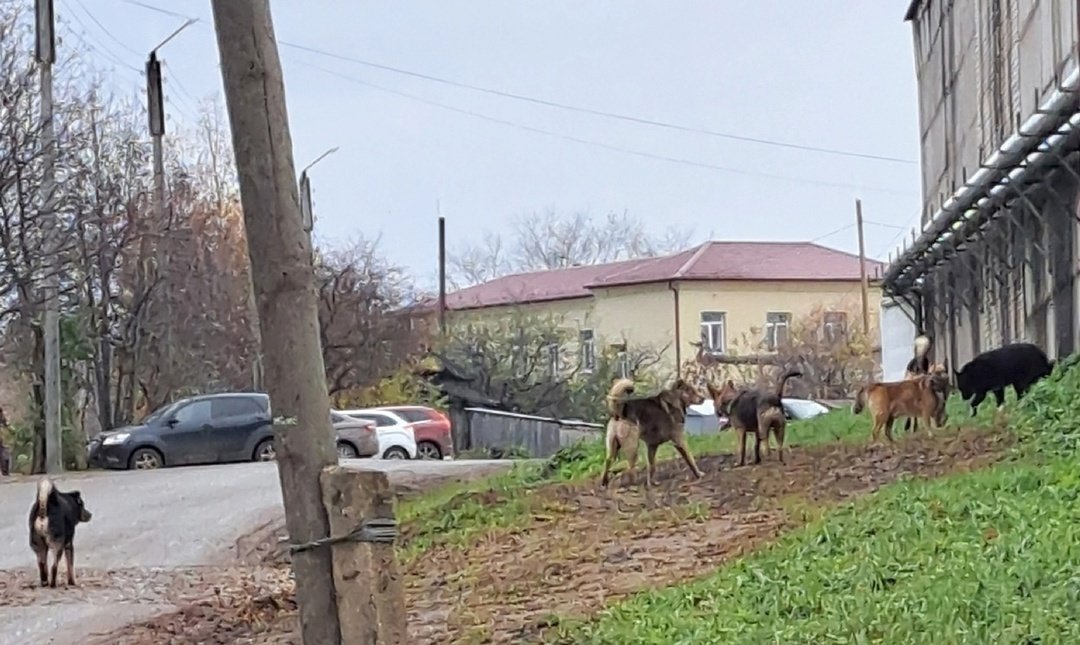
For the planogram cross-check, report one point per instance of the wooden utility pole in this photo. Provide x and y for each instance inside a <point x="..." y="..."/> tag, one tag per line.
<point x="442" y="271"/>
<point x="862" y="270"/>
<point x="283" y="280"/>
<point x="45" y="52"/>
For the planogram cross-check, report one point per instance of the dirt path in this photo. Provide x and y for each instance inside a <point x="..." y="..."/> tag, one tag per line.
<point x="584" y="548"/>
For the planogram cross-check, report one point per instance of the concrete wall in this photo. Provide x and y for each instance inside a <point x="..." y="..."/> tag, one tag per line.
<point x="980" y="64"/>
<point x="746" y="305"/>
<point x="645" y="314"/>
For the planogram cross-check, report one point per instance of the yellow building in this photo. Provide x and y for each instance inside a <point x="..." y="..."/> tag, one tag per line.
<point x="732" y="297"/>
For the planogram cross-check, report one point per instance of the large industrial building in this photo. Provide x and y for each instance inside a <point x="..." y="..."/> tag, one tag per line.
<point x="999" y="115"/>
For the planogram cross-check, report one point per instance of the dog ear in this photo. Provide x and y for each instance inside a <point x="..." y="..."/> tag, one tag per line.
<point x="730" y="384"/>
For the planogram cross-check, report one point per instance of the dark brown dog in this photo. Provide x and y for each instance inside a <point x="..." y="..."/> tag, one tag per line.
<point x="654" y="419"/>
<point x="922" y="397"/>
<point x="751" y="410"/>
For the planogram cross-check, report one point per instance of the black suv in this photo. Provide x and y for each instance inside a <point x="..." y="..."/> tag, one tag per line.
<point x="213" y="428"/>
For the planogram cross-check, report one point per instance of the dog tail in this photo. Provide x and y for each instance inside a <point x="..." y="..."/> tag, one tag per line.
<point x="860" y="401"/>
<point x="922" y="347"/>
<point x="44" y="490"/>
<point x="783" y="381"/>
<point x="616" y="394"/>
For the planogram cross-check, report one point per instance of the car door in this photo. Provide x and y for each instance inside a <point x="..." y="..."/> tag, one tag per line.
<point x="186" y="435"/>
<point x="234" y="419"/>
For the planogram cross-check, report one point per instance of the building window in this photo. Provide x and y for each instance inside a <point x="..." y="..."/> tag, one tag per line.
<point x="622" y="363"/>
<point x="553" y="359"/>
<point x="713" y="332"/>
<point x="777" y="325"/>
<point x="588" y="349"/>
<point x="835" y="326"/>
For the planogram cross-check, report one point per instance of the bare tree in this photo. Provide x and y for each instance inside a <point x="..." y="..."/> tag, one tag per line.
<point x="364" y="338"/>
<point x="552" y="240"/>
<point x="533" y="365"/>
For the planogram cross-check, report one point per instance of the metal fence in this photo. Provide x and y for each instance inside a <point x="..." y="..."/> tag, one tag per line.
<point x="539" y="437"/>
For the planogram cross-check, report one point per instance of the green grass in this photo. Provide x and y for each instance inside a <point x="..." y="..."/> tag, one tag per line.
<point x="984" y="557"/>
<point x="459" y="513"/>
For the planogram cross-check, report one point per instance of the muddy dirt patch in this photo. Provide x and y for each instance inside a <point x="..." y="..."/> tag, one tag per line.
<point x="583" y="548"/>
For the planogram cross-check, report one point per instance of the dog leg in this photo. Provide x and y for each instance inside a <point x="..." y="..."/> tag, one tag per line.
<point x="979" y="398"/>
<point x="999" y="397"/>
<point x="742" y="447"/>
<point x="631" y="451"/>
<point x="888" y="429"/>
<point x="612" y="454"/>
<point x="757" y="446"/>
<point x="779" y="432"/>
<point x="69" y="555"/>
<point x="684" y="450"/>
<point x="650" y="454"/>
<point x="57" y="553"/>
<point x="42" y="564"/>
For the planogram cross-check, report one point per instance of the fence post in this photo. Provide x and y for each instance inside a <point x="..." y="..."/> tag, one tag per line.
<point x="368" y="585"/>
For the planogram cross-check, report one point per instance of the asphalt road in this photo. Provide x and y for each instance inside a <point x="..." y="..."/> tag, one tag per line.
<point x="162" y="519"/>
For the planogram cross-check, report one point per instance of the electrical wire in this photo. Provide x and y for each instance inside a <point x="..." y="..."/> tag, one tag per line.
<point x="598" y="144"/>
<point x="557" y="104"/>
<point x="105" y="29"/>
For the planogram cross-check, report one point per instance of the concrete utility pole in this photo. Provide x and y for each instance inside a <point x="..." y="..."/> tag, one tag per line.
<point x="155" y="109"/>
<point x="862" y="270"/>
<point x="307" y="212"/>
<point x="46" y="56"/>
<point x="285" y="295"/>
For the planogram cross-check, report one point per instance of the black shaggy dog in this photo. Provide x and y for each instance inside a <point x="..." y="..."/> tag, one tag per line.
<point x="52" y="529"/>
<point x="1020" y="365"/>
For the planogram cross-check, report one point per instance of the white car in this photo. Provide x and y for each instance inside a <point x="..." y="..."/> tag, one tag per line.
<point x="396" y="437"/>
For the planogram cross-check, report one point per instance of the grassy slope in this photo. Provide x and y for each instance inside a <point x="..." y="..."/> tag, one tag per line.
<point x="457" y="514"/>
<point x="982" y="557"/>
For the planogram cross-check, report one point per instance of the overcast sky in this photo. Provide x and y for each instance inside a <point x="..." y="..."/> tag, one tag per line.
<point x="836" y="74"/>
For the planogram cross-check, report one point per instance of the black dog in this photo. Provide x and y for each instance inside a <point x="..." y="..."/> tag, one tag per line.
<point x="1020" y="365"/>
<point x="52" y="528"/>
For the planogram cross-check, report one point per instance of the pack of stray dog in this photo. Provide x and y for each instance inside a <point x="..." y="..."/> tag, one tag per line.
<point x="53" y="519"/>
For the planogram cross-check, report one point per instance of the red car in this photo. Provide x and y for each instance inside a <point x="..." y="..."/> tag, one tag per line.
<point x="432" y="430"/>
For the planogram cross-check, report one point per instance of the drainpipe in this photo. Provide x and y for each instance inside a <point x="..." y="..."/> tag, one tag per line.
<point x="678" y="335"/>
<point x="1007" y="164"/>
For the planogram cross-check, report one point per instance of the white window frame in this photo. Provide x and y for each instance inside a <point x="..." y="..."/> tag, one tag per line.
<point x="772" y="326"/>
<point x="587" y="349"/>
<point x="828" y="326"/>
<point x="713" y="330"/>
<point x="554" y="362"/>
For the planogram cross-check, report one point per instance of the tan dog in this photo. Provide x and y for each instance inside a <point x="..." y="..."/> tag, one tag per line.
<point x="921" y="397"/>
<point x="753" y="411"/>
<point x="655" y="419"/>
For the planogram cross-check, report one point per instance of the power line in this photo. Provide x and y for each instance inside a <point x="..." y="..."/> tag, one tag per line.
<point x="831" y="233"/>
<point x="100" y="48"/>
<point x="585" y="110"/>
<point x="105" y="29"/>
<point x="598" y="144"/>
<point x="565" y="106"/>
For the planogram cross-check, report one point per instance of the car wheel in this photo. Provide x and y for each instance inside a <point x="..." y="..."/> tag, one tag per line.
<point x="428" y="450"/>
<point x="345" y="451"/>
<point x="146" y="459"/>
<point x="395" y="452"/>
<point x="265" y="451"/>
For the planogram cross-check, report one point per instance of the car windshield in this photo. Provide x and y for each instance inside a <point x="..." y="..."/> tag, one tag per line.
<point x="163" y="411"/>
<point x="337" y="417"/>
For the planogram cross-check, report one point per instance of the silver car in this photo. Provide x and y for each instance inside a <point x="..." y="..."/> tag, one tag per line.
<point x="355" y="437"/>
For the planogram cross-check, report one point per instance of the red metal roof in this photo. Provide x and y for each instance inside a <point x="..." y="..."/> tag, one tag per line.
<point x="742" y="261"/>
